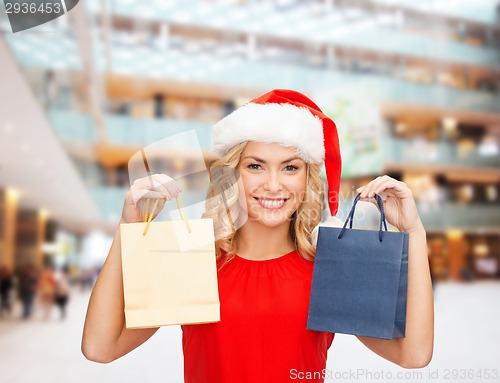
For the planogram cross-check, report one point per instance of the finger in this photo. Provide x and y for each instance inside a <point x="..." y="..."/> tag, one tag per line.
<point x="151" y="182"/>
<point x="138" y="194"/>
<point x="363" y="190"/>
<point x="396" y="188"/>
<point x="143" y="182"/>
<point x="141" y="187"/>
<point x="146" y="207"/>
<point x="380" y="184"/>
<point x="368" y="190"/>
<point x="165" y="179"/>
<point x="151" y="194"/>
<point x="386" y="193"/>
<point x="160" y="183"/>
<point x="173" y="188"/>
<point x="382" y="194"/>
<point x="360" y="189"/>
<point x="169" y="183"/>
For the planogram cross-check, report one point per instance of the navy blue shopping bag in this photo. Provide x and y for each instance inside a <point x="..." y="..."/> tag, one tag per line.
<point x="360" y="280"/>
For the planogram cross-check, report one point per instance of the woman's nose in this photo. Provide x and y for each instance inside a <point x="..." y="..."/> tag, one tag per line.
<point x="273" y="183"/>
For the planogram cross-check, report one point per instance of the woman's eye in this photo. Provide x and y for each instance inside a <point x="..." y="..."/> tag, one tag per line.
<point x="291" y="167"/>
<point x="253" y="166"/>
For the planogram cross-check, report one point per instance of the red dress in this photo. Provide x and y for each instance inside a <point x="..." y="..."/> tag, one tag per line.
<point x="262" y="334"/>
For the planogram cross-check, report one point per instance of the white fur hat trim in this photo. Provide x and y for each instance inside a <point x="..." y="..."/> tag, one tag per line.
<point x="286" y="124"/>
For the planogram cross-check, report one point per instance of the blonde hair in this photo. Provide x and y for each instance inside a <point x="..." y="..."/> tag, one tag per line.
<point x="227" y="215"/>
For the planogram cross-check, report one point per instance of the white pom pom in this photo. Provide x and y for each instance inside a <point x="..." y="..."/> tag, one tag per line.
<point x="330" y="222"/>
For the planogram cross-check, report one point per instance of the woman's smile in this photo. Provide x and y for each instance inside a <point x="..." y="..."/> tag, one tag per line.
<point x="271" y="203"/>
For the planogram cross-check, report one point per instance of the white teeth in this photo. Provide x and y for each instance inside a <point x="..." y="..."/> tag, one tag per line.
<point x="272" y="203"/>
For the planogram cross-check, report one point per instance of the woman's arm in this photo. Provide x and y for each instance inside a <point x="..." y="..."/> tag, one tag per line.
<point x="105" y="336"/>
<point x="415" y="350"/>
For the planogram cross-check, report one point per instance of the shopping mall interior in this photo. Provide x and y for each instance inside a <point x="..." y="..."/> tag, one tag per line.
<point x="414" y="88"/>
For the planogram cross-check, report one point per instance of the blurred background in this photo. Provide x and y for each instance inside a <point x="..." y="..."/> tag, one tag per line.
<point x="414" y="88"/>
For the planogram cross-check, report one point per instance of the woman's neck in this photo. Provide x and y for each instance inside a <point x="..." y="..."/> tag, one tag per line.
<point x="256" y="241"/>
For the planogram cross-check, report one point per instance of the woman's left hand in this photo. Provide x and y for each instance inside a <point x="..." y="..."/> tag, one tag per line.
<point x="399" y="207"/>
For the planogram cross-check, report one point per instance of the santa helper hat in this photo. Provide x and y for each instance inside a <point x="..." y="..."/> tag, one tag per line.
<point x="291" y="119"/>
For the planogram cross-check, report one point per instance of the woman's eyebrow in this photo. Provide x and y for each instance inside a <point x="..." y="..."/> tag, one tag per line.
<point x="256" y="159"/>
<point x="291" y="159"/>
<point x="264" y="162"/>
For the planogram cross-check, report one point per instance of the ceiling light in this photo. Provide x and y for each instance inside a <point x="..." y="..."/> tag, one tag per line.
<point x="454" y="234"/>
<point x="12" y="194"/>
<point x="449" y="124"/>
<point x="43" y="213"/>
<point x="491" y="193"/>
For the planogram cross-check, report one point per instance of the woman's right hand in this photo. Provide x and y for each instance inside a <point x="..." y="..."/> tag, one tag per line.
<point x="164" y="189"/>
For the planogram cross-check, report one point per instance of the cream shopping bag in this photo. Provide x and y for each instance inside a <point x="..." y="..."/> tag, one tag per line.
<point x="169" y="273"/>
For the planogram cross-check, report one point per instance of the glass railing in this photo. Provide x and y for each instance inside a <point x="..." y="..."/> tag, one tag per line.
<point x="434" y="153"/>
<point x="72" y="126"/>
<point x="227" y="71"/>
<point x="109" y="200"/>
<point x="122" y="130"/>
<point x="478" y="11"/>
<point x="300" y="22"/>
<point x="437" y="96"/>
<point x="460" y="216"/>
<point x="58" y="51"/>
<point x="61" y="50"/>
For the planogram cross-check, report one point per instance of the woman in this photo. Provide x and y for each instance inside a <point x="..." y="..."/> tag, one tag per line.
<point x="6" y="284"/>
<point x="274" y="147"/>
<point x="62" y="291"/>
<point x="47" y="289"/>
<point x="27" y="286"/>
